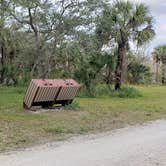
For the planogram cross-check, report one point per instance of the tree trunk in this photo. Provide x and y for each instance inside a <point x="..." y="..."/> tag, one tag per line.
<point x="163" y="73"/>
<point x="2" y="56"/>
<point x="2" y="50"/>
<point x="119" y="66"/>
<point x="40" y="64"/>
<point x="3" y="61"/>
<point x="39" y="56"/>
<point x="157" y="72"/>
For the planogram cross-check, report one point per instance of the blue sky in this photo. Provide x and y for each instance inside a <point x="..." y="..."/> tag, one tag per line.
<point x="158" y="10"/>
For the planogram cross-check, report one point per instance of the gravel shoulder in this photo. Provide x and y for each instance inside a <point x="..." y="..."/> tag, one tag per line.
<point x="140" y="145"/>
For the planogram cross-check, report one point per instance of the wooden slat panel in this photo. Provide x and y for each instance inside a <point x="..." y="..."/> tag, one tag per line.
<point x="46" y="94"/>
<point x="27" y="96"/>
<point x="67" y="93"/>
<point x="30" y="94"/>
<point x="37" y="95"/>
<point x="52" y="93"/>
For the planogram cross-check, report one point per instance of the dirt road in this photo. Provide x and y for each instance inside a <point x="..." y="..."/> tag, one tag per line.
<point x="131" y="146"/>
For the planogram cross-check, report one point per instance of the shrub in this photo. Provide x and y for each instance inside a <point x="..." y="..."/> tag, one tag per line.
<point x="103" y="90"/>
<point x="108" y="90"/>
<point x="138" y="73"/>
<point x="84" y="93"/>
<point x="126" y="92"/>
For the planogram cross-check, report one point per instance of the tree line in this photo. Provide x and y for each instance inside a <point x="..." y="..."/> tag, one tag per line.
<point x="85" y="40"/>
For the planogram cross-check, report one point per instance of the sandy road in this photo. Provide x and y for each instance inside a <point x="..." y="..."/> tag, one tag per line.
<point x="131" y="146"/>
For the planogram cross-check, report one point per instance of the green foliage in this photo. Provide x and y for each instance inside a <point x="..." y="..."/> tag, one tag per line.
<point x="110" y="64"/>
<point x="127" y="18"/>
<point x="24" y="78"/>
<point x="126" y="92"/>
<point x="83" y="92"/>
<point x="87" y="77"/>
<point x="138" y="73"/>
<point x="11" y="74"/>
<point x="159" y="55"/>
<point x="88" y="70"/>
<point x="66" y="39"/>
<point x="74" y="106"/>
<point x="125" y="21"/>
<point x="104" y="90"/>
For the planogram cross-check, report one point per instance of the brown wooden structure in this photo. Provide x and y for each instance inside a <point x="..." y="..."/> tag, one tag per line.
<point x="47" y="92"/>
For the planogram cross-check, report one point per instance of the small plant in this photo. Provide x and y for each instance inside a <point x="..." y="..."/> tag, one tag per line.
<point x="74" y="106"/>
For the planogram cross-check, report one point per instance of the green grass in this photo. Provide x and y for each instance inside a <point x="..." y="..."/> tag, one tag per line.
<point x="105" y="90"/>
<point x="11" y="97"/>
<point x="124" y="92"/>
<point x="20" y="129"/>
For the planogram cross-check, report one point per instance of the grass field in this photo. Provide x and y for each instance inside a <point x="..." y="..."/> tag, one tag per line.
<point x="20" y="129"/>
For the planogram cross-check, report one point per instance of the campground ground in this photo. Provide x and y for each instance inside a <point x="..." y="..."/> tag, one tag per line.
<point x="19" y="129"/>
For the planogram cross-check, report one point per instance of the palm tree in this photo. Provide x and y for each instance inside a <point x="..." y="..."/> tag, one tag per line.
<point x="127" y="22"/>
<point x="159" y="55"/>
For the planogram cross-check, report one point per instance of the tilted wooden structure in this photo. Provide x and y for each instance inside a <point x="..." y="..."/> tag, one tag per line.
<point x="47" y="92"/>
